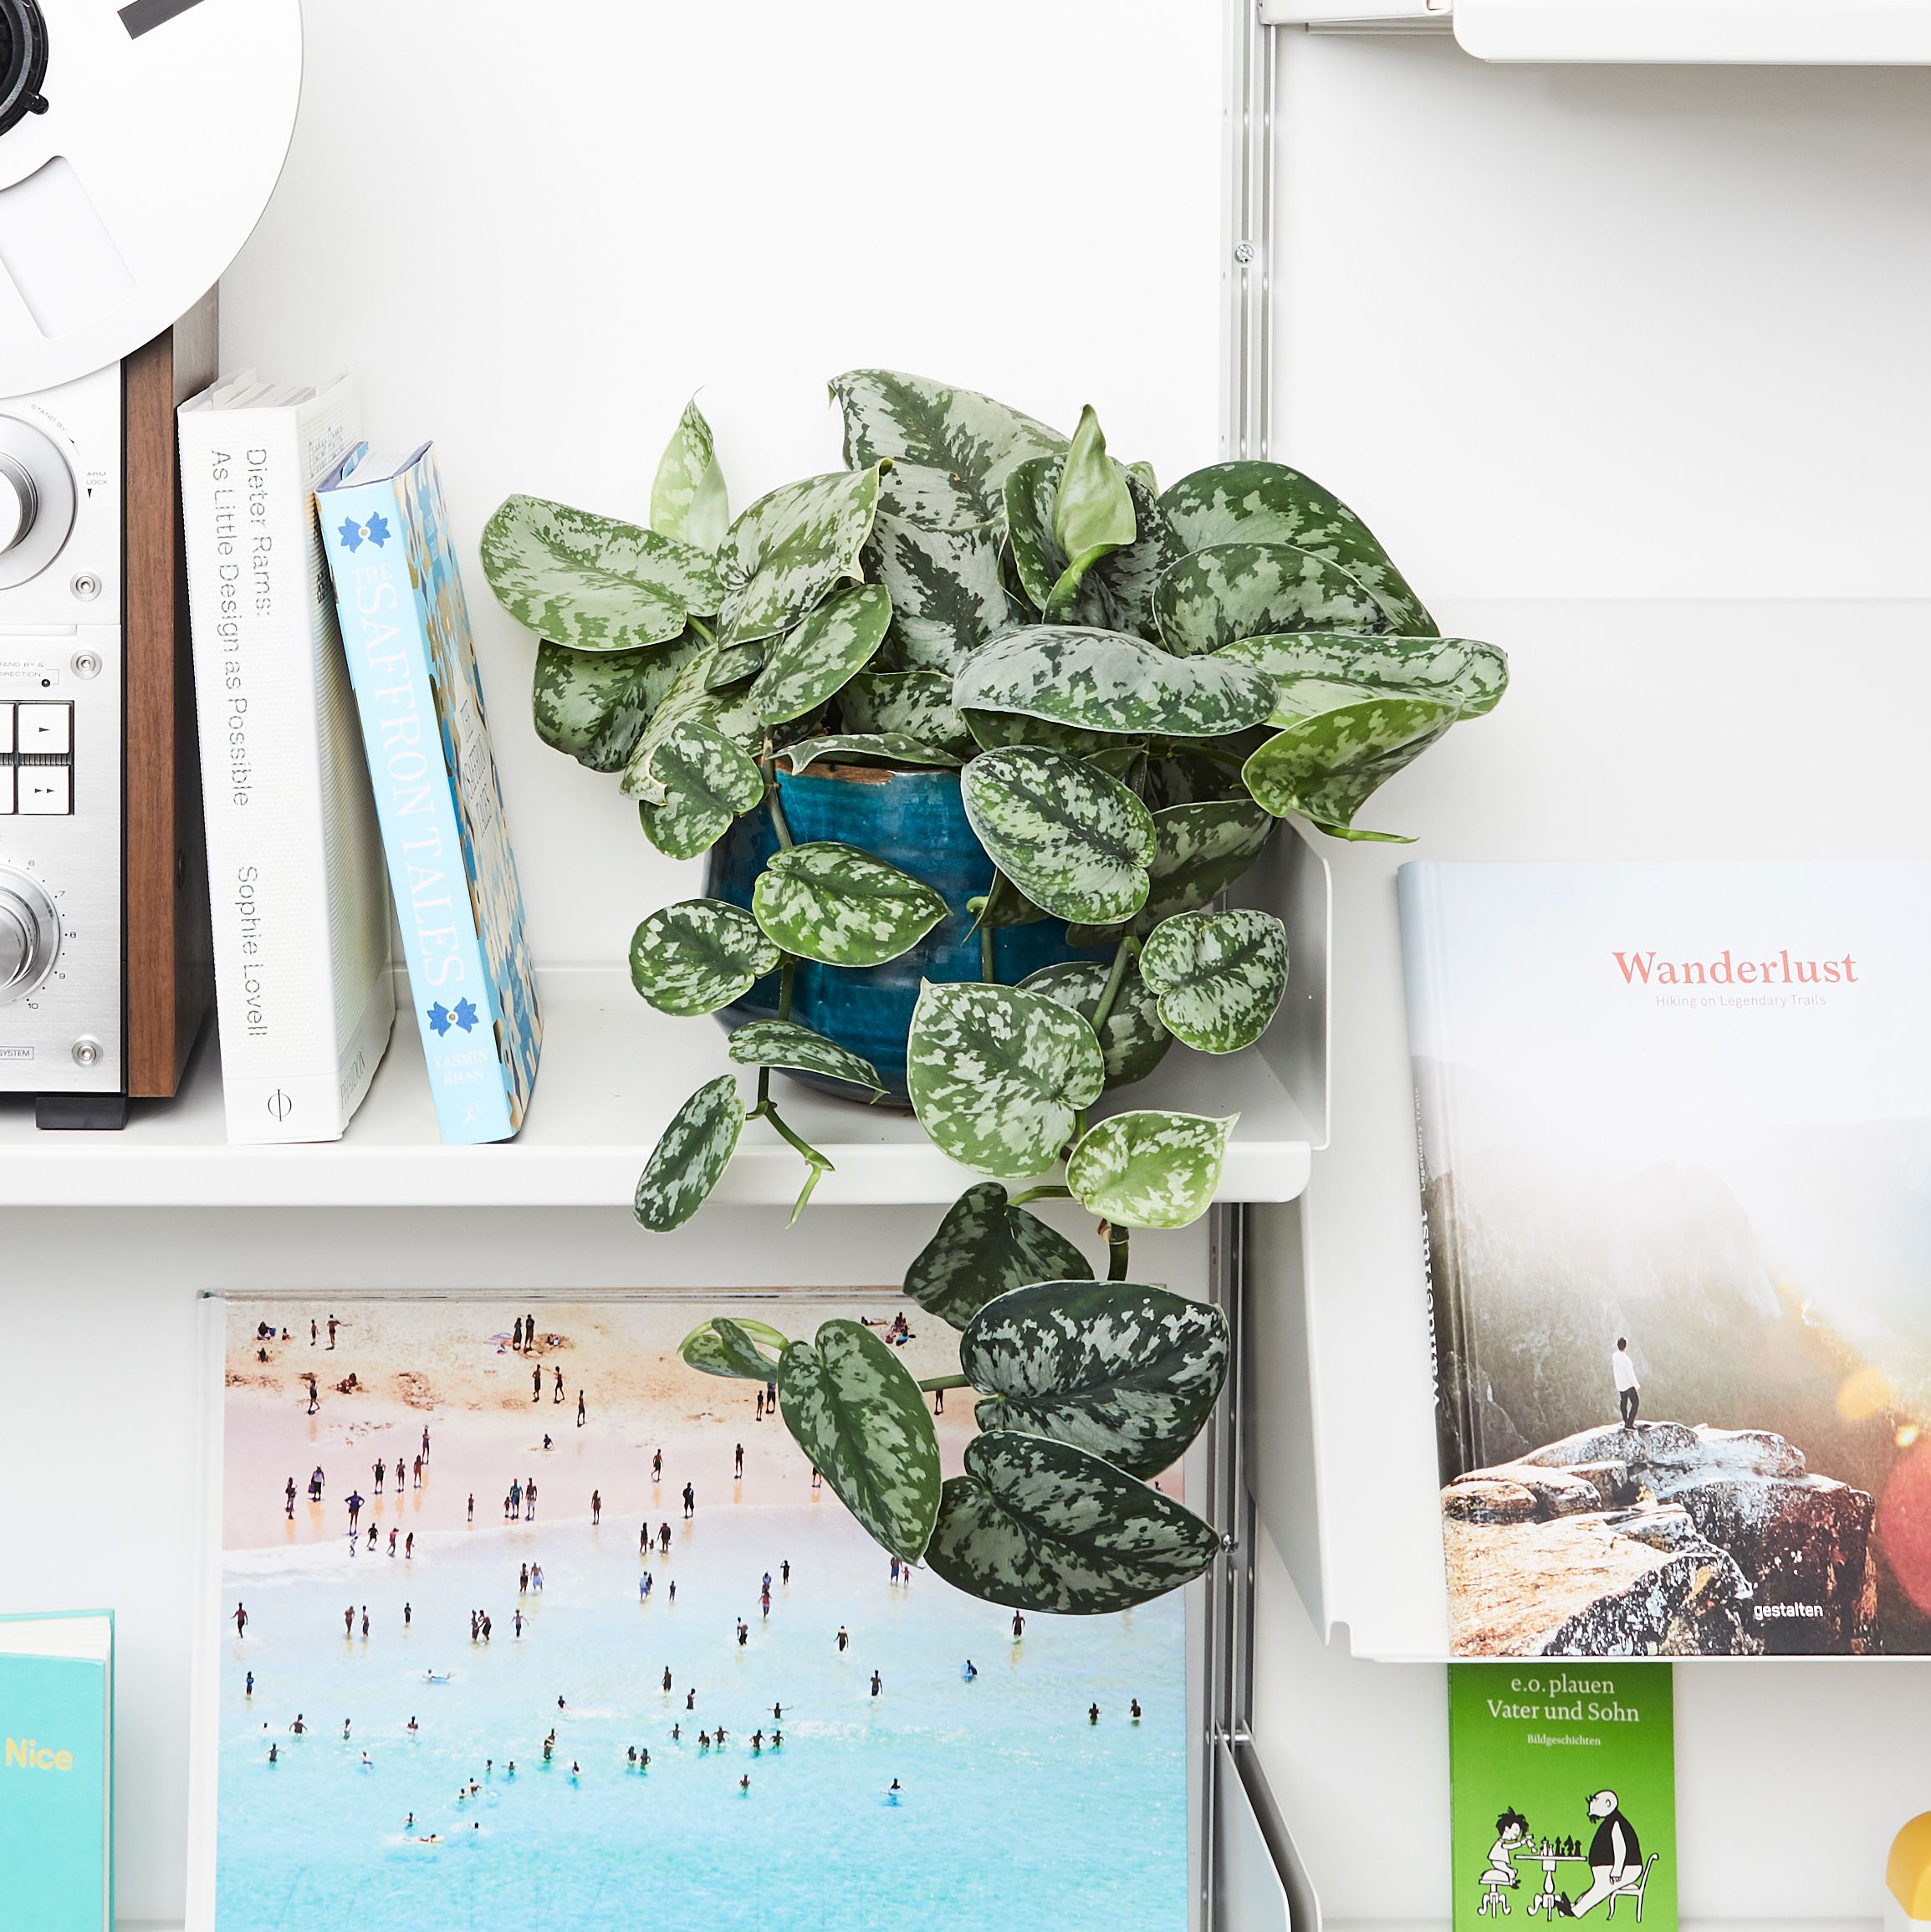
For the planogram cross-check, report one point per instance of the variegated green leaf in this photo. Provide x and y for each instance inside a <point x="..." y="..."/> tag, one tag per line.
<point x="807" y="665"/>
<point x="1251" y="502"/>
<point x="984" y="1246"/>
<point x="1198" y="774"/>
<point x="1106" y="681"/>
<point x="590" y="582"/>
<point x="1117" y="593"/>
<point x="690" y="700"/>
<point x="783" y="1043"/>
<point x="1456" y="670"/>
<point x="707" y="781"/>
<point x="835" y="904"/>
<point x="688" y="499"/>
<point x="934" y="499"/>
<point x="1072" y="840"/>
<point x="1150" y="1168"/>
<point x="1132" y="1042"/>
<point x="1123" y="1370"/>
<point x="857" y="1413"/>
<point x="1031" y="490"/>
<point x="990" y="730"/>
<point x="734" y="1346"/>
<point x="964" y="437"/>
<point x="1325" y="765"/>
<point x="699" y="955"/>
<point x="998" y="1077"/>
<point x="690" y="1158"/>
<point x="1199" y="851"/>
<point x="947" y="595"/>
<point x="1038" y="1524"/>
<point x="1231" y="590"/>
<point x="914" y="703"/>
<point x="1092" y="508"/>
<point x="885" y="748"/>
<point x="1219" y="976"/>
<point x="787" y="553"/>
<point x="737" y="664"/>
<point x="595" y="704"/>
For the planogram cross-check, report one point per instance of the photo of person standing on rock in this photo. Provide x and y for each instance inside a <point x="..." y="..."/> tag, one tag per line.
<point x="1628" y="1389"/>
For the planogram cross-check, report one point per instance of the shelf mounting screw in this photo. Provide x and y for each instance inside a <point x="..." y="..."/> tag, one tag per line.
<point x="1243" y="253"/>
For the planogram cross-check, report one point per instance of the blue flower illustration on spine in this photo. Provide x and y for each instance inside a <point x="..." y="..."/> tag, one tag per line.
<point x="353" y="535"/>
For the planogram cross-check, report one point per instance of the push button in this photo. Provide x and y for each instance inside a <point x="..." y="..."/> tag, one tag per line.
<point x="6" y="729"/>
<point x="6" y="791"/>
<point x="47" y="729"/>
<point x="46" y="790"/>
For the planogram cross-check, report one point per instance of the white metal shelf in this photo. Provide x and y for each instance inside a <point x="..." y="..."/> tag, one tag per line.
<point x="613" y="1071"/>
<point x="1712" y="32"/>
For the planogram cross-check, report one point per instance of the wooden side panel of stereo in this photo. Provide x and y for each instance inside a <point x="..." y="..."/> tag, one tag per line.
<point x="170" y="951"/>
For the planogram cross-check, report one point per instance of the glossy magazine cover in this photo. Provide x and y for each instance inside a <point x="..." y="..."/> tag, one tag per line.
<point x="1675" y="1123"/>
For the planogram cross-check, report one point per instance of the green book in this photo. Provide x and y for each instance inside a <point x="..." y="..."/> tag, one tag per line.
<point x="57" y="1772"/>
<point x="1564" y="1780"/>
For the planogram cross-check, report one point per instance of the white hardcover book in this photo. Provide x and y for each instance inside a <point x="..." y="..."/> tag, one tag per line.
<point x="303" y="991"/>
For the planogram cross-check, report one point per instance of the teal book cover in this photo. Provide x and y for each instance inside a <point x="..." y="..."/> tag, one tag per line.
<point x="56" y="1750"/>
<point x="438" y="799"/>
<point x="1564" y="1784"/>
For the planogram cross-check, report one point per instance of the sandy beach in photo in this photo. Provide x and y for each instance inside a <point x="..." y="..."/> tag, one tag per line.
<point x="772" y="1734"/>
<point x="475" y="1396"/>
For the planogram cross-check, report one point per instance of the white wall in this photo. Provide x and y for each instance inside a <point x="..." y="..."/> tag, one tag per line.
<point x="536" y="231"/>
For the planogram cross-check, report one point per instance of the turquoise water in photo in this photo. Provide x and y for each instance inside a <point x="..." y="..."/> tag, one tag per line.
<point x="1015" y="1811"/>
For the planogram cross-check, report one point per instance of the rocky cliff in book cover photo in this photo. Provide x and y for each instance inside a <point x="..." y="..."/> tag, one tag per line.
<point x="1679" y="1244"/>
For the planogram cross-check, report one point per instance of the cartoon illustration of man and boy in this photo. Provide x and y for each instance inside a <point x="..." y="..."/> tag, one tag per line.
<point x="1616" y="1867"/>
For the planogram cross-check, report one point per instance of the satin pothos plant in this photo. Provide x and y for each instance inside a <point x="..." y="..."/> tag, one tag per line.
<point x="1134" y="687"/>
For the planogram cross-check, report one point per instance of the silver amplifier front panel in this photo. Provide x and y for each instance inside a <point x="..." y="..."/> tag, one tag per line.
<point x="61" y="740"/>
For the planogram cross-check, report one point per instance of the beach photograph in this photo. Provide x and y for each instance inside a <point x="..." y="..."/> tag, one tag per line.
<point x="526" y="1623"/>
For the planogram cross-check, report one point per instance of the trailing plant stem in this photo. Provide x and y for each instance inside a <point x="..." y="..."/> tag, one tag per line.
<point x="1122" y="958"/>
<point x="1049" y="1191"/>
<point x="1116" y="1250"/>
<point x="932" y="1384"/>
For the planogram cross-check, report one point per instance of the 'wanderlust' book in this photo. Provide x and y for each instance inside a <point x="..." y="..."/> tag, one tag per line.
<point x="405" y="630"/>
<point x="1563" y="1779"/>
<point x="57" y="1771"/>
<point x="1675" y="1139"/>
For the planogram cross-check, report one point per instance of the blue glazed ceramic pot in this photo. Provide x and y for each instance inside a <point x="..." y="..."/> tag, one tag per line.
<point x="917" y="821"/>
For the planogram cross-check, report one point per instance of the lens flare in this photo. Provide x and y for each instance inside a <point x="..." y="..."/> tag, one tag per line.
<point x="1905" y="1524"/>
<point x="1866" y="1393"/>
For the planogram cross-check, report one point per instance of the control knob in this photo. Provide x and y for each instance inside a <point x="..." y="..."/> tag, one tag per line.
<point x="29" y="936"/>
<point x="19" y="502"/>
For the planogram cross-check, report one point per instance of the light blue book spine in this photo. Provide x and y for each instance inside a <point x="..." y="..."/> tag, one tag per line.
<point x="367" y="534"/>
<point x="56" y="1871"/>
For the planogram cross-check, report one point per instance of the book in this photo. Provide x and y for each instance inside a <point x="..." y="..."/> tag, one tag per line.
<point x="405" y="630"/>
<point x="57" y="1771"/>
<point x="1563" y="1779"/>
<point x="620" y="1661"/>
<point x="304" y="994"/>
<point x="1674" y="1126"/>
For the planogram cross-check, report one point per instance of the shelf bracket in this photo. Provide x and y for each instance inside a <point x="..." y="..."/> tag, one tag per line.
<point x="1247" y="236"/>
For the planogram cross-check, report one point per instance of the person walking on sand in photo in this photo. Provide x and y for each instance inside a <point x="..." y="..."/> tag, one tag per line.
<point x="579" y="1409"/>
<point x="1628" y="1388"/>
